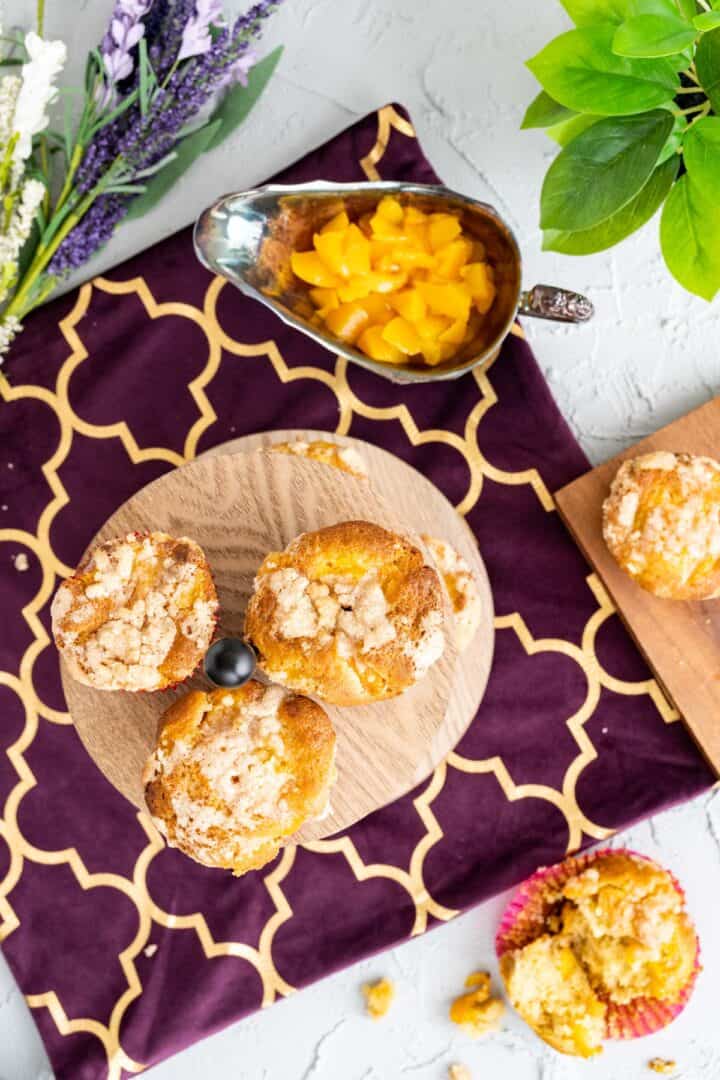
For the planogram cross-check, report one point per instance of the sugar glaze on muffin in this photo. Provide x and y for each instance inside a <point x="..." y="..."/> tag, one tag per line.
<point x="236" y="772"/>
<point x="138" y="613"/>
<point x="350" y="613"/>
<point x="661" y="523"/>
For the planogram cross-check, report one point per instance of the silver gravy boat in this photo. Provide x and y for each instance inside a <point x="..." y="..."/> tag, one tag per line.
<point x="248" y="238"/>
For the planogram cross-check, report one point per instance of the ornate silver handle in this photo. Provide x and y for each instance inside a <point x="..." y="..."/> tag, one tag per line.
<point x="560" y="305"/>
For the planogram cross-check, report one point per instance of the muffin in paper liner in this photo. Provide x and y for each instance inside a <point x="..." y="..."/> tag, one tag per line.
<point x="524" y="919"/>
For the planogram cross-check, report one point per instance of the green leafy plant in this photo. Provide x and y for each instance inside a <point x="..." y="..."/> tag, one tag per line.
<point x="632" y="97"/>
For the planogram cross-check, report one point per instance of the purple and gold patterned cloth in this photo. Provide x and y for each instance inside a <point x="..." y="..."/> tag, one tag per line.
<point x="135" y="373"/>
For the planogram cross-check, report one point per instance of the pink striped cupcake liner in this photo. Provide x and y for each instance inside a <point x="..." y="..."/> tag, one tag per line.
<point x="524" y="919"/>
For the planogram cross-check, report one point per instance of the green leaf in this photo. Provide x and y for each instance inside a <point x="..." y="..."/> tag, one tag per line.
<point x="707" y="62"/>
<point x="602" y="169"/>
<point x="580" y="70"/>
<point x="593" y="12"/>
<point x="701" y="154"/>
<point x="707" y="21"/>
<point x="674" y="141"/>
<point x="653" y="35"/>
<point x="544" y="112"/>
<point x="143" y="63"/>
<point x="186" y="151"/>
<point x="627" y="220"/>
<point x="690" y="238"/>
<point x="238" y="102"/>
<point x="566" y="132"/>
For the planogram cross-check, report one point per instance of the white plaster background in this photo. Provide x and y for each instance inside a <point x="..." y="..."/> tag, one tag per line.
<point x="650" y="354"/>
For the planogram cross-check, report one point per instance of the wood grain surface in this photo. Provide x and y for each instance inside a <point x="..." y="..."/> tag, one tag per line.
<point x="239" y="502"/>
<point x="681" y="641"/>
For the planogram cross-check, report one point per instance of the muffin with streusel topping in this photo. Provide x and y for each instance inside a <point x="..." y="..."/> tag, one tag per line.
<point x="350" y="613"/>
<point x="138" y="613"/>
<point x="599" y="946"/>
<point x="661" y="523"/>
<point x="236" y="772"/>
<point x="345" y="458"/>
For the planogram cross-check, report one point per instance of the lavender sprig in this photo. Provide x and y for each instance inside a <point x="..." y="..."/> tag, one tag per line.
<point x="135" y="142"/>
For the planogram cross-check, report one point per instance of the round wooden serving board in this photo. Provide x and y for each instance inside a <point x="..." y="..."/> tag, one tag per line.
<point x="240" y="502"/>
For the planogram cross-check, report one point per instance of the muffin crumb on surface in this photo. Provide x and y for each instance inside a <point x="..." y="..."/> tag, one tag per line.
<point x="459" y="1072"/>
<point x="477" y="1012"/>
<point x="379" y="996"/>
<point x="662" y="1066"/>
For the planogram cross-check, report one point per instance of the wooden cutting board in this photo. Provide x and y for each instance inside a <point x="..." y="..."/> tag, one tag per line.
<point x="680" y="641"/>
<point x="239" y="502"/>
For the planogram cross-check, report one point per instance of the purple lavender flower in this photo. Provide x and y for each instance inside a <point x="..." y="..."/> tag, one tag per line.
<point x="126" y="29"/>
<point x="134" y="141"/>
<point x="89" y="235"/>
<point x="196" y="38"/>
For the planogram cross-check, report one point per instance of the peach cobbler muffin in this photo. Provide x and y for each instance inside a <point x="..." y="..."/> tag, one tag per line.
<point x="236" y="772"/>
<point x="350" y="613"/>
<point x="661" y="523"/>
<point x="462" y="588"/>
<point x="615" y="939"/>
<point x="138" y="613"/>
<point x="345" y="458"/>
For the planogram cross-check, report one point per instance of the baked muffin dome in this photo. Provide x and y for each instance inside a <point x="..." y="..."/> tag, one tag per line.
<point x="462" y="589"/>
<point x="236" y="772"/>
<point x="350" y="613"/>
<point x="661" y="523"/>
<point x="345" y="458"/>
<point x="614" y="951"/>
<point x="138" y="613"/>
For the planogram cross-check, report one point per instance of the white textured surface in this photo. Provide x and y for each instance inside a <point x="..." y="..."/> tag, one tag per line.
<point x="650" y="355"/>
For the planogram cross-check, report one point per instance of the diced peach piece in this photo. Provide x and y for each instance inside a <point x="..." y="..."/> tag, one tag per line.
<point x="413" y="216"/>
<point x="378" y="308"/>
<point x="374" y="345"/>
<point x="337" y="224"/>
<point x="403" y="335"/>
<point x="450" y="260"/>
<point x="419" y="236"/>
<point x="442" y="230"/>
<point x="477" y="277"/>
<point x="347" y="321"/>
<point x="308" y="266"/>
<point x="432" y="353"/>
<point x="356" y="289"/>
<point x="390" y="209"/>
<point x="410" y="304"/>
<point x="324" y="298"/>
<point x="357" y="253"/>
<point x="388" y="282"/>
<point x="452" y="299"/>
<point x="331" y="249"/>
<point x="432" y="326"/>
<point x="382" y="226"/>
<point x="455" y="333"/>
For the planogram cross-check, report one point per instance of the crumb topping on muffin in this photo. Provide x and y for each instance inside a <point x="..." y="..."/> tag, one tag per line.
<point x="133" y="603"/>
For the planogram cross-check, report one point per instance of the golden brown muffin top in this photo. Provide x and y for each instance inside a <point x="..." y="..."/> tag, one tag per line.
<point x="349" y="612"/>
<point x="235" y="772"/>
<point x="137" y="614"/>
<point x="661" y="522"/>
